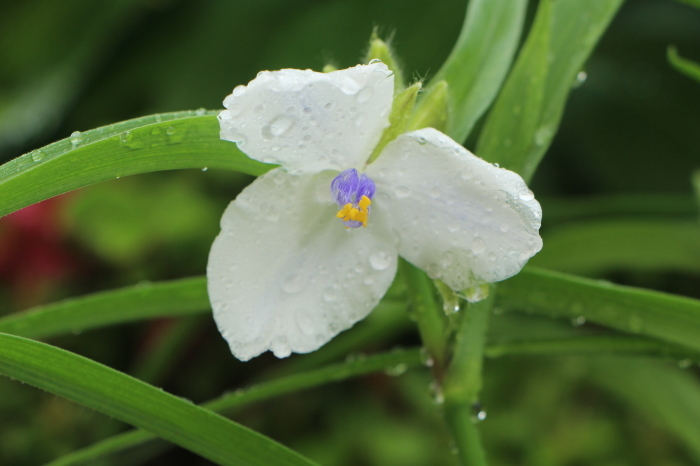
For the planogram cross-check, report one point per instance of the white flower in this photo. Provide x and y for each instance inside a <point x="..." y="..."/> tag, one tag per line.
<point x="286" y="274"/>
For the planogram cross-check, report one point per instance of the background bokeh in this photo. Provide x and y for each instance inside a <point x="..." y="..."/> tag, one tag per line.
<point x="628" y="143"/>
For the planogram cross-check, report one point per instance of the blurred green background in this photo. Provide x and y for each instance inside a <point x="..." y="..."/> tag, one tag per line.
<point x="615" y="179"/>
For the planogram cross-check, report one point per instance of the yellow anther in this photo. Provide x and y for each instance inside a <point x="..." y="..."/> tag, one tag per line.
<point x="364" y="203"/>
<point x="357" y="214"/>
<point x="343" y="213"/>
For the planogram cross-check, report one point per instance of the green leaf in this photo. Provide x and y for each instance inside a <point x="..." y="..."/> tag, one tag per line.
<point x="593" y="345"/>
<point x="158" y="142"/>
<point x="683" y="65"/>
<point x="593" y="247"/>
<point x="143" y="301"/>
<point x="402" y="359"/>
<point x="478" y="62"/>
<point x="667" y="396"/>
<point x="659" y="315"/>
<point x="132" y="401"/>
<point x="527" y="112"/>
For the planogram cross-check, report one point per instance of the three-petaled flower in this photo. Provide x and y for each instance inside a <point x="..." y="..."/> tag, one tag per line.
<point x="294" y="264"/>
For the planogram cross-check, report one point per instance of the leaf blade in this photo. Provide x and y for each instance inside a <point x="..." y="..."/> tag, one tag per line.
<point x="158" y="142"/>
<point x="130" y="400"/>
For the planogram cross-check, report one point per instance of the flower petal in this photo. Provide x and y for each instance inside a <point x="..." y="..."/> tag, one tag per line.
<point x="458" y="217"/>
<point x="285" y="275"/>
<point x="308" y="121"/>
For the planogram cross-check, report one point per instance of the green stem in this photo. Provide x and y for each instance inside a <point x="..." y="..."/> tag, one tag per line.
<point x="430" y="319"/>
<point x="462" y="381"/>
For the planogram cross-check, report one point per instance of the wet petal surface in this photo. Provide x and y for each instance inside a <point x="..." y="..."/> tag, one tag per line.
<point x="458" y="217"/>
<point x="308" y="121"/>
<point x="284" y="274"/>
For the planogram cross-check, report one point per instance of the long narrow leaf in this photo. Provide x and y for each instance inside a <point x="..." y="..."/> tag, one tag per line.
<point x="158" y="142"/>
<point x="143" y="301"/>
<point x="132" y="401"/>
<point x="402" y="359"/>
<point x="635" y="310"/>
<point x="528" y="110"/>
<point x="595" y="246"/>
<point x="477" y="65"/>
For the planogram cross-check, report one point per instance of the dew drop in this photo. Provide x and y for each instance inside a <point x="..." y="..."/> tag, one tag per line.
<point x="125" y="136"/>
<point x="37" y="155"/>
<point x="422" y="141"/>
<point x="402" y="192"/>
<point x="238" y="91"/>
<point x="205" y="169"/>
<point x="307" y="110"/>
<point x="292" y="284"/>
<point x="478" y="412"/>
<point x="374" y="60"/>
<point x="395" y="371"/>
<point x="76" y="138"/>
<point x="330" y="295"/>
<point x="581" y="77"/>
<point x="544" y="135"/>
<point x="478" y="246"/>
<point x="685" y="363"/>
<point x="379" y="260"/>
<point x="328" y="106"/>
<point x="200" y="111"/>
<point x="365" y="94"/>
<point x="578" y="321"/>
<point x="278" y="127"/>
<point x="259" y="109"/>
<point x="526" y="195"/>
<point x="170" y="130"/>
<point x="504" y="227"/>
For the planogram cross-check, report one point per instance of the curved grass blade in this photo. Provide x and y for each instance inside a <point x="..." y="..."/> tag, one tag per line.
<point x="132" y="401"/>
<point x="593" y="247"/>
<point x="651" y="313"/>
<point x="527" y="112"/>
<point x="167" y="141"/>
<point x="477" y="65"/>
<point x="665" y="395"/>
<point x="593" y="345"/>
<point x="142" y="301"/>
<point x="266" y="390"/>
<point x="683" y="65"/>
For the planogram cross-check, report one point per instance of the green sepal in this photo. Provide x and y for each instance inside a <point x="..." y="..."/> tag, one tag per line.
<point x="432" y="109"/>
<point x="381" y="50"/>
<point x="401" y="110"/>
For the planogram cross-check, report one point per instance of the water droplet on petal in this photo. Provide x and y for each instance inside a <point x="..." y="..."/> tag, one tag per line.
<point x="402" y="192"/>
<point x="380" y="260"/>
<point x="365" y="94"/>
<point x="277" y="127"/>
<point x="292" y="284"/>
<point x="238" y="90"/>
<point x="478" y="246"/>
<point x="330" y="295"/>
<point x="526" y="195"/>
<point x="374" y="60"/>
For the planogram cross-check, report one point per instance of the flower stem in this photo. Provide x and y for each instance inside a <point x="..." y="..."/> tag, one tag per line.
<point x="462" y="381"/>
<point x="429" y="317"/>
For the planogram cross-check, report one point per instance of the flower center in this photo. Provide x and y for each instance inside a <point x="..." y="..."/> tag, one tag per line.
<point x="353" y="194"/>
